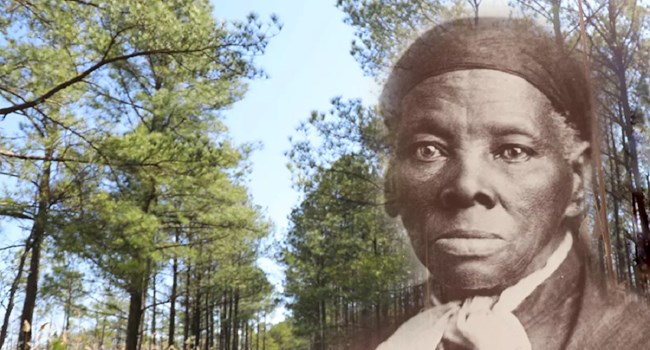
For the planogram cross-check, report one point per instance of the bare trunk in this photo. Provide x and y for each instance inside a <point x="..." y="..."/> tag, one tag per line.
<point x="639" y="202"/>
<point x="38" y="235"/>
<point x="223" y="321"/>
<point x="102" y="334"/>
<point x="557" y="24"/>
<point x="26" y="319"/>
<point x="135" y="317"/>
<point x="137" y="294"/>
<point x="264" y="334"/>
<point x="257" y="334"/>
<point x="12" y="293"/>
<point x="208" y="323"/>
<point x="172" y="304"/>
<point x="186" y="324"/>
<point x="152" y="343"/>
<point x="474" y="4"/>
<point x="196" y="313"/>
<point x="320" y="345"/>
<point x="628" y="116"/>
<point x="235" y="323"/>
<point x="228" y="323"/>
<point x="66" y="312"/>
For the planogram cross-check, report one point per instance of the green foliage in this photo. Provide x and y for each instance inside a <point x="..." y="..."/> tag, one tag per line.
<point x="58" y="344"/>
<point x="281" y="336"/>
<point x="384" y="28"/>
<point x="63" y="285"/>
<point x="348" y="128"/>
<point x="341" y="252"/>
<point x="119" y="107"/>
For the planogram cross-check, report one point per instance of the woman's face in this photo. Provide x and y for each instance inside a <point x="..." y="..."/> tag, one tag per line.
<point x="482" y="182"/>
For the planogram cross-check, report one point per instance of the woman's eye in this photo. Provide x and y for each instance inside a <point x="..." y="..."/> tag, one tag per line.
<point x="515" y="153"/>
<point x="427" y="152"/>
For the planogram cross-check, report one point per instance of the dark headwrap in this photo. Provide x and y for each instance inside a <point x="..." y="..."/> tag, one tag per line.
<point x="513" y="46"/>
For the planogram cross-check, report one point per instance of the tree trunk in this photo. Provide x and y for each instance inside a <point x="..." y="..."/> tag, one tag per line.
<point x="186" y="324"/>
<point x="196" y="313"/>
<point x="103" y="333"/>
<point x="142" y="320"/>
<point x="223" y="321"/>
<point x="628" y="116"/>
<point x="235" y="324"/>
<point x="613" y="177"/>
<point x="557" y="24"/>
<point x="67" y="310"/>
<point x="242" y="341"/>
<point x="152" y="343"/>
<point x="38" y="236"/>
<point x="229" y="323"/>
<point x="639" y="200"/>
<point x="264" y="334"/>
<point x="321" y="325"/>
<point x="209" y="322"/>
<point x="257" y="334"/>
<point x="12" y="292"/>
<point x="136" y="296"/>
<point x="172" y="302"/>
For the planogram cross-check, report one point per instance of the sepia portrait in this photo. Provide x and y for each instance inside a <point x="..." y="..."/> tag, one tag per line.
<point x="491" y="127"/>
<point x="324" y="175"/>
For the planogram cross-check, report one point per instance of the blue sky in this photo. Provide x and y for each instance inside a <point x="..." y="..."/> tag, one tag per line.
<point x="308" y="63"/>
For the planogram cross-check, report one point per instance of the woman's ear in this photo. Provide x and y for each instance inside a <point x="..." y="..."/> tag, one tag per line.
<point x="391" y="204"/>
<point x="580" y="161"/>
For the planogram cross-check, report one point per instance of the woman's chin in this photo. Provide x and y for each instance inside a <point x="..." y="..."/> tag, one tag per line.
<point x="472" y="274"/>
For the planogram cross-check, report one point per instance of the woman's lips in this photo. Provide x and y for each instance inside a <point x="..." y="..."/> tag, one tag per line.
<point x="469" y="243"/>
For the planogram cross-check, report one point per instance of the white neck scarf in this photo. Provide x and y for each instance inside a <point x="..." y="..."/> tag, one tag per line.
<point x="476" y="323"/>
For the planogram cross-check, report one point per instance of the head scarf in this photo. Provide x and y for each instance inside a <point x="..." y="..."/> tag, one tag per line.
<point x="513" y="46"/>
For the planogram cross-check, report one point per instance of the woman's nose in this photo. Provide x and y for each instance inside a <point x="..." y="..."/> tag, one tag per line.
<point x="467" y="183"/>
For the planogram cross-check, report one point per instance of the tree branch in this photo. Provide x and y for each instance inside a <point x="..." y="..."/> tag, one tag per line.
<point x="87" y="72"/>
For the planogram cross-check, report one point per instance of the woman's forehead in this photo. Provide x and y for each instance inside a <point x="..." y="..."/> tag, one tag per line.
<point x="476" y="84"/>
<point x="485" y="98"/>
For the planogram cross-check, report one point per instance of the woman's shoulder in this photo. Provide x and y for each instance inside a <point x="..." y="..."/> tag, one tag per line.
<point x="611" y="317"/>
